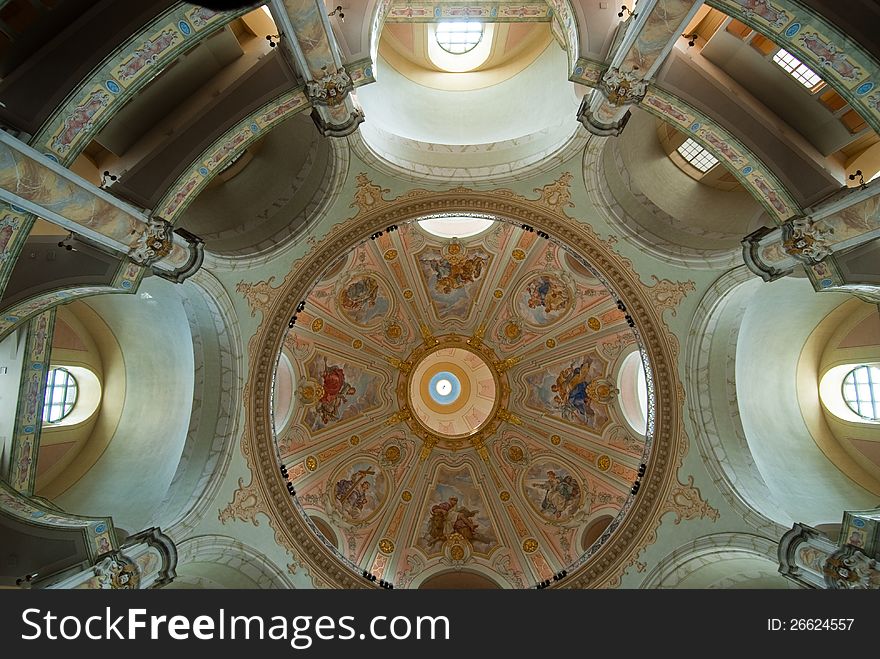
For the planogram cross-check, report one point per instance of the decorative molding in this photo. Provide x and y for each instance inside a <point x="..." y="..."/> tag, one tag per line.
<point x="154" y="243"/>
<point x="622" y="87"/>
<point x="492" y="12"/>
<point x="686" y="502"/>
<point x="246" y="504"/>
<point x="21" y="472"/>
<point x="330" y="89"/>
<point x="805" y="240"/>
<point x="668" y="294"/>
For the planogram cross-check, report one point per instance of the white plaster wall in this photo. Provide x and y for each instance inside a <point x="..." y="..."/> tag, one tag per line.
<point x="776" y="323"/>
<point x="130" y="479"/>
<point x="537" y="98"/>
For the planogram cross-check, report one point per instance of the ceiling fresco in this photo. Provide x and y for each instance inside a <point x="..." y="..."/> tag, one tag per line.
<point x="454" y="407"/>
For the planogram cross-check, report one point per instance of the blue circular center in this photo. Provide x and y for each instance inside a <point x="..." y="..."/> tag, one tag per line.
<point x="444" y="388"/>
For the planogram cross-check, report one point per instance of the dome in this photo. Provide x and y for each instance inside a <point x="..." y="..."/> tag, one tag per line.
<point x="455" y="406"/>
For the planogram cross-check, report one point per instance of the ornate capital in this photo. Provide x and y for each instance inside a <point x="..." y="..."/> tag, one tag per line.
<point x="850" y="569"/>
<point x="331" y="89"/>
<point x="154" y="243"/>
<point x="805" y="241"/>
<point x="623" y="87"/>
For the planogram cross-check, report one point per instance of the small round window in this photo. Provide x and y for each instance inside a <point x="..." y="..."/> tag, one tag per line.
<point x="459" y="37"/>
<point x="861" y="391"/>
<point x="61" y="392"/>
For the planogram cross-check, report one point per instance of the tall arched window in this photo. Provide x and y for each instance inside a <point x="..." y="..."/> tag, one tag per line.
<point x="61" y="395"/>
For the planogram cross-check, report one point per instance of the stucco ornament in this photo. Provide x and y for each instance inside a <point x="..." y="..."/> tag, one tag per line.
<point x="623" y="87"/>
<point x="154" y="243"/>
<point x="805" y="241"/>
<point x="331" y="89"/>
<point x="849" y="569"/>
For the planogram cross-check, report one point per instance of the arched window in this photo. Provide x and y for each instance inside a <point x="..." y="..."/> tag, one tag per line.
<point x="861" y="391"/>
<point x="459" y="37"/>
<point x="61" y="395"/>
<point x="852" y="392"/>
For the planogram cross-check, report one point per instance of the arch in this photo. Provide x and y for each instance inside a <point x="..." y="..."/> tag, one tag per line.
<point x="766" y="464"/>
<point x="500" y="137"/>
<point x="166" y="475"/>
<point x="594" y="531"/>
<point x="219" y="561"/>
<point x="544" y="214"/>
<point x="403" y="168"/>
<point x="722" y="560"/>
<point x="633" y="397"/>
<point x="214" y="419"/>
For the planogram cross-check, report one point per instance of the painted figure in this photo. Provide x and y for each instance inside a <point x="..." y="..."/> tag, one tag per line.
<point x="147" y="54"/>
<point x="336" y="390"/>
<point x="80" y="119"/>
<point x="547" y="293"/>
<point x="572" y="397"/>
<point x="453" y="275"/>
<point x="763" y="9"/>
<point x="353" y="493"/>
<point x="440" y="526"/>
<point x="466" y="526"/>
<point x="359" y="296"/>
<point x="560" y="493"/>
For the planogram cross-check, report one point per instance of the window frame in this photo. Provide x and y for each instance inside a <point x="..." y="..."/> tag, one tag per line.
<point x="48" y="395"/>
<point x="873" y="388"/>
<point x="795" y="72"/>
<point x="702" y="155"/>
<point x="443" y="27"/>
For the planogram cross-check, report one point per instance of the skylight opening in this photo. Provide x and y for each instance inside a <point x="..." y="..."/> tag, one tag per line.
<point x="798" y="70"/>
<point x="459" y="37"/>
<point x="697" y="156"/>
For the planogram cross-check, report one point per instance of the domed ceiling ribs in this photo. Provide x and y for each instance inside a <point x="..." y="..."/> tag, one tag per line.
<point x="378" y="466"/>
<point x="512" y="499"/>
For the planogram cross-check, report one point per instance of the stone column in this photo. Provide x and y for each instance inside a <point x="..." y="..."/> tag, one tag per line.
<point x="649" y="35"/>
<point x="34" y="184"/>
<point x="312" y="51"/>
